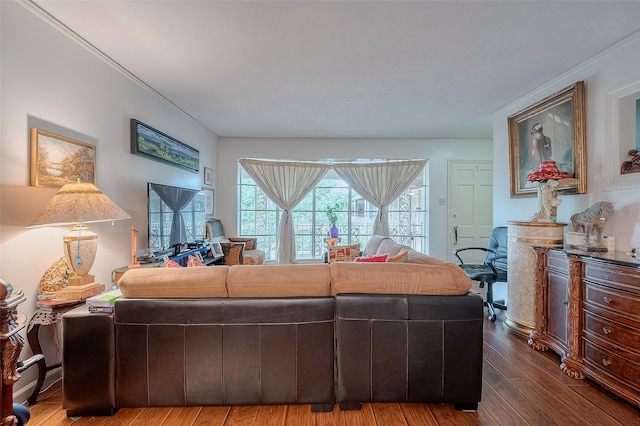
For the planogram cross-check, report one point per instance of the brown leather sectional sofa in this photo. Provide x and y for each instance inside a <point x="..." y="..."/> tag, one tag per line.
<point x="278" y="334"/>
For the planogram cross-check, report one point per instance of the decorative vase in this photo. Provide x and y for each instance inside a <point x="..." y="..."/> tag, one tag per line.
<point x="334" y="231"/>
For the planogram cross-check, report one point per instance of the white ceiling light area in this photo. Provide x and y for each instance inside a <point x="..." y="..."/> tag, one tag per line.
<point x="347" y="69"/>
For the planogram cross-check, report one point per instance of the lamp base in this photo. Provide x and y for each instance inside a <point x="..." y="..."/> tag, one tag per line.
<point x="78" y="292"/>
<point x="78" y="280"/>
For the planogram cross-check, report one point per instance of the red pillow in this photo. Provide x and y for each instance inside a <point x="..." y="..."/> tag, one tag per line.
<point x="374" y="258"/>
<point x="194" y="261"/>
<point x="168" y="263"/>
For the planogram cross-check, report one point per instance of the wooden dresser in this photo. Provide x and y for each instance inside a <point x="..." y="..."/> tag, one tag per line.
<point x="588" y="311"/>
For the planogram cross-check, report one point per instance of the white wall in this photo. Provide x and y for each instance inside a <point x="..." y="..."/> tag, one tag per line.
<point x="607" y="73"/>
<point x="438" y="152"/>
<point x="52" y="82"/>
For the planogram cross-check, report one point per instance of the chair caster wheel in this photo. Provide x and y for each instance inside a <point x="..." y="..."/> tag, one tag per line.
<point x="492" y="318"/>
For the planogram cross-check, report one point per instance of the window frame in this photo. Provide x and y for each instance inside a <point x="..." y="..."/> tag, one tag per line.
<point x="418" y="191"/>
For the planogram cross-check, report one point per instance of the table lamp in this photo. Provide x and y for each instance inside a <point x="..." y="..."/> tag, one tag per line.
<point x="77" y="204"/>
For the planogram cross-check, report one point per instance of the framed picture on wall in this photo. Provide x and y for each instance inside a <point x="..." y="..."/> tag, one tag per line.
<point x="153" y="144"/>
<point x="208" y="201"/>
<point x="57" y="160"/>
<point x="550" y="130"/>
<point x="208" y="176"/>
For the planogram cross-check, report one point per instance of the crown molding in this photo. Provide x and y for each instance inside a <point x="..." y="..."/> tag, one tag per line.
<point x="72" y="35"/>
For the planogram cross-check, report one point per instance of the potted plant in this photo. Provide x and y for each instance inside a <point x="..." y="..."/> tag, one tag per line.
<point x="332" y="216"/>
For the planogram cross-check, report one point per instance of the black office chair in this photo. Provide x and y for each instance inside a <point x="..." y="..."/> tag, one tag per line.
<point x="494" y="268"/>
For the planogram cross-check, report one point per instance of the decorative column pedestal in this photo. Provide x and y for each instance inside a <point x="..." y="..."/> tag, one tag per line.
<point x="521" y="264"/>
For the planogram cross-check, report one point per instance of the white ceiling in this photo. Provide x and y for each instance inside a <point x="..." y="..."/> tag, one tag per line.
<point x="381" y="69"/>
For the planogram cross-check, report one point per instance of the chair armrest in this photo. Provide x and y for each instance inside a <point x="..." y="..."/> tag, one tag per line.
<point x="492" y="262"/>
<point x="456" y="251"/>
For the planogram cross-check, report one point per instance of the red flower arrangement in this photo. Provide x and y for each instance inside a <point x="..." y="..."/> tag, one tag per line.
<point x="547" y="170"/>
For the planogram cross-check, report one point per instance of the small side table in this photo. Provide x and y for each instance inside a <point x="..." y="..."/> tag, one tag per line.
<point x="47" y="314"/>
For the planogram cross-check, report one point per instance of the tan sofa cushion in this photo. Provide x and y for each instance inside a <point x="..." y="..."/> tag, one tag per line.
<point x="279" y="280"/>
<point x="175" y="282"/>
<point x="398" y="278"/>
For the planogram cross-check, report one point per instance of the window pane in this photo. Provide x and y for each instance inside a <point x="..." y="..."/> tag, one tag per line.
<point x="258" y="216"/>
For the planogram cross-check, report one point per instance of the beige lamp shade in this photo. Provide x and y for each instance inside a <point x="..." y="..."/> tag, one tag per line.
<point x="77" y="204"/>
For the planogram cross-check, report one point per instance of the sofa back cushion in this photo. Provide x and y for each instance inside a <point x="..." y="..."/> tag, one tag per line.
<point x="388" y="246"/>
<point x="279" y="280"/>
<point x="372" y="245"/>
<point x="174" y="282"/>
<point x="398" y="278"/>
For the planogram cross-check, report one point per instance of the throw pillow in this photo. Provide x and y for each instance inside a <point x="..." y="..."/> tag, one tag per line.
<point x="344" y="253"/>
<point x="402" y="257"/>
<point x="374" y="258"/>
<point x="194" y="261"/>
<point x="168" y="263"/>
<point x="55" y="278"/>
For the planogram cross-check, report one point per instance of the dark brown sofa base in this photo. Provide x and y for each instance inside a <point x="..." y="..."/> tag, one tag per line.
<point x="257" y="351"/>
<point x="407" y="348"/>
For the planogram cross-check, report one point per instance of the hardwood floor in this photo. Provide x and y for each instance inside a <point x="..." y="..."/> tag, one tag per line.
<point x="520" y="387"/>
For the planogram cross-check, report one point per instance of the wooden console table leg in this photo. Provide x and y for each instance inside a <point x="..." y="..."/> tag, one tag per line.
<point x="34" y="343"/>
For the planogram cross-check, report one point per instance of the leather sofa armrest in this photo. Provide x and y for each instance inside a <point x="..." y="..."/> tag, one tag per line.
<point x="88" y="363"/>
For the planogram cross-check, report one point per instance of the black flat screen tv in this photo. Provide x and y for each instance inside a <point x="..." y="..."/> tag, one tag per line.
<point x="175" y="215"/>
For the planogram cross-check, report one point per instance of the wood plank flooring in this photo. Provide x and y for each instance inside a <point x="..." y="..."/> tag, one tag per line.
<point x="520" y="387"/>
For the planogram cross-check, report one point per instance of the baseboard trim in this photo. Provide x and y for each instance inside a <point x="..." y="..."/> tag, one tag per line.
<point x="23" y="394"/>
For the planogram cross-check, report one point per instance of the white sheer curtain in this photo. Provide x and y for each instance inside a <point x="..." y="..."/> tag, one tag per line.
<point x="286" y="183"/>
<point x="380" y="184"/>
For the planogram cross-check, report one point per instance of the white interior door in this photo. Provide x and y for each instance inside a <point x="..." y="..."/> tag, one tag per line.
<point x="470" y="207"/>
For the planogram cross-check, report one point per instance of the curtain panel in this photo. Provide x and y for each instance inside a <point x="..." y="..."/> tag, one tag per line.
<point x="380" y="184"/>
<point x="286" y="183"/>
<point x="176" y="199"/>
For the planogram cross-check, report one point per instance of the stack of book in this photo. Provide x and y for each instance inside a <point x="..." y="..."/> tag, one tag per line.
<point x="51" y="305"/>
<point x="103" y="302"/>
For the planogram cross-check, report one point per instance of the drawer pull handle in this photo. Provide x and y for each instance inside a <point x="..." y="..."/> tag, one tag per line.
<point x="606" y="330"/>
<point x="606" y="362"/>
<point x="607" y="300"/>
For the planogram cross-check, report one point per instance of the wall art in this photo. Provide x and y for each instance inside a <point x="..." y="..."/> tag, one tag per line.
<point x="151" y="143"/>
<point x="57" y="160"/>
<point x="550" y="130"/>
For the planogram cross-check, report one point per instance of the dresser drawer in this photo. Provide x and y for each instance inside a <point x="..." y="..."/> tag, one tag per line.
<point x="557" y="261"/>
<point x="616" y="334"/>
<point x="616" y="276"/>
<point x="609" y="363"/>
<point x="612" y="303"/>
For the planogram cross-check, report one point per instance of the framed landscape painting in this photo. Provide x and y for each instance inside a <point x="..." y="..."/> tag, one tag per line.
<point x="153" y="144"/>
<point x="57" y="160"/>
<point x="550" y="130"/>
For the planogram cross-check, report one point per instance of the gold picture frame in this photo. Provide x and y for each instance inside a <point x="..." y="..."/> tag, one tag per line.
<point x="560" y="119"/>
<point x="57" y="160"/>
